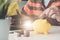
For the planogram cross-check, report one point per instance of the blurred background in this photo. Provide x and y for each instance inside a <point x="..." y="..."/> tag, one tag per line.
<point x="13" y="31"/>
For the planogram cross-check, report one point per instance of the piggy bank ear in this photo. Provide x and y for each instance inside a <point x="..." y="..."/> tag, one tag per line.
<point x="45" y="20"/>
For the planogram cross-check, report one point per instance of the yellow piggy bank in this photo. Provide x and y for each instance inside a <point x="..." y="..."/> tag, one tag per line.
<point x="41" y="26"/>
